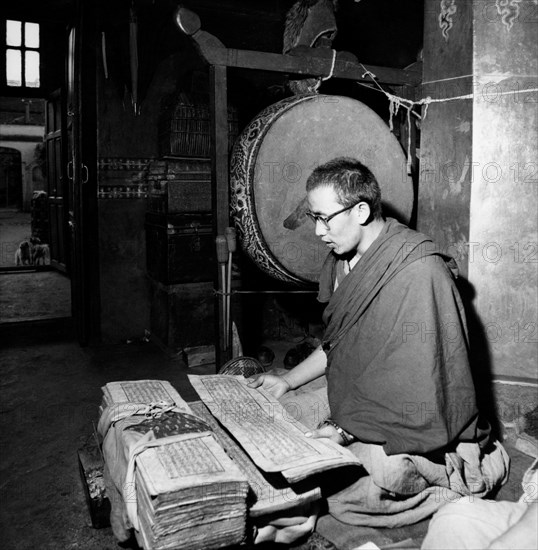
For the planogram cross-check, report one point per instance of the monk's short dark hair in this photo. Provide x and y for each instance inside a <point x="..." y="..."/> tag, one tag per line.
<point x="352" y="182"/>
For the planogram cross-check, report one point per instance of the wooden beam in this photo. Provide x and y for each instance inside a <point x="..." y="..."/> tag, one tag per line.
<point x="219" y="144"/>
<point x="302" y="61"/>
<point x="218" y="103"/>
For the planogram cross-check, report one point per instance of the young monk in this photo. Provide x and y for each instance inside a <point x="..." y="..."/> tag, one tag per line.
<point x="395" y="357"/>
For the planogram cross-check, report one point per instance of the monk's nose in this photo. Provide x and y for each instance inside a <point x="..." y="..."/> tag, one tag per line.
<point x="321" y="230"/>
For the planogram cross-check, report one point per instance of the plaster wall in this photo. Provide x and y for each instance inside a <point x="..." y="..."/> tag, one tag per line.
<point x="478" y="172"/>
<point x="504" y="199"/>
<point x="446" y="130"/>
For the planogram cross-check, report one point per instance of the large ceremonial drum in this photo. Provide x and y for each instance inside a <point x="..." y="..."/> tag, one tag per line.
<point x="274" y="156"/>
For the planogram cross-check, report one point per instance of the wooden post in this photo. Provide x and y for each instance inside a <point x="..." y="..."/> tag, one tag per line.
<point x="218" y="99"/>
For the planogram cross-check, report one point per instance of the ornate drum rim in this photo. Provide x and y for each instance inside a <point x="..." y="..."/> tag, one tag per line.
<point x="242" y="198"/>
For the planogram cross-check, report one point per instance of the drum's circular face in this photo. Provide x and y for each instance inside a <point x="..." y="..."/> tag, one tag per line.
<point x="274" y="157"/>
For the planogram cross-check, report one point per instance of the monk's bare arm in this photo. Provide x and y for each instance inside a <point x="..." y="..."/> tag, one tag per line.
<point x="311" y="368"/>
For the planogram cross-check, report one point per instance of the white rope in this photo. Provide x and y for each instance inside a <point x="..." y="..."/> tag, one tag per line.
<point x="427" y="100"/>
<point x="409" y="160"/>
<point x="394" y="106"/>
<point x="395" y="102"/>
<point x="323" y="78"/>
<point x="447" y="79"/>
<point x="330" y="75"/>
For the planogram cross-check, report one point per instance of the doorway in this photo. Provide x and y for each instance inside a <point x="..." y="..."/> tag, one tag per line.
<point x="33" y="287"/>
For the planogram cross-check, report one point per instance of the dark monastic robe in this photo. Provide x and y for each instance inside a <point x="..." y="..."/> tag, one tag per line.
<point x="397" y="346"/>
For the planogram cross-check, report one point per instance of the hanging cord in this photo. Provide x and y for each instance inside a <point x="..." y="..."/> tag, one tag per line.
<point x="323" y="78"/>
<point x="394" y="106"/>
<point x="408" y="103"/>
<point x="331" y="72"/>
<point x="103" y="53"/>
<point x="395" y="102"/>
<point x="409" y="165"/>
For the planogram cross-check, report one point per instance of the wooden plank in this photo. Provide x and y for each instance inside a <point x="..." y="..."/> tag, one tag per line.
<point x="91" y="468"/>
<point x="303" y="61"/>
<point x="315" y="63"/>
<point x="219" y="144"/>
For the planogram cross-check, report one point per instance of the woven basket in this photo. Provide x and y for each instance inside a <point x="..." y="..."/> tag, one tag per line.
<point x="247" y="366"/>
<point x="184" y="129"/>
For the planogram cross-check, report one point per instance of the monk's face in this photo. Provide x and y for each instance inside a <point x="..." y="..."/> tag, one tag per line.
<point x="344" y="232"/>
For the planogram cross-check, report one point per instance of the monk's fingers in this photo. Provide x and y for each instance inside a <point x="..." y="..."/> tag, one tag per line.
<point x="255" y="381"/>
<point x="326" y="431"/>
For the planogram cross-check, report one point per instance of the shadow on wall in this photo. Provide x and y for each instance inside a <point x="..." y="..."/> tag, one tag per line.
<point x="480" y="355"/>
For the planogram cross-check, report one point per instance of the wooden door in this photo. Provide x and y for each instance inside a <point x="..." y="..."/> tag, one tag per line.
<point x="82" y="173"/>
<point x="10" y="178"/>
<point x="56" y="180"/>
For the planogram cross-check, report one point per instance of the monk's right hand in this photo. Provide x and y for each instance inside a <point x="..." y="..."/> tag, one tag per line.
<point x="277" y="386"/>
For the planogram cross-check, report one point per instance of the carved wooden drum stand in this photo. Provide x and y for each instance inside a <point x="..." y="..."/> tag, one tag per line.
<point x="274" y="156"/>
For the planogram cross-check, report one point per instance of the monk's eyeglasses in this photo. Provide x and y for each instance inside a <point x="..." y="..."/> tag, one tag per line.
<point x="324" y="220"/>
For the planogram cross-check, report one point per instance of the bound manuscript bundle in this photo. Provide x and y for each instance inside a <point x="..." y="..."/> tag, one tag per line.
<point x="190" y="495"/>
<point x="191" y="475"/>
<point x="179" y="488"/>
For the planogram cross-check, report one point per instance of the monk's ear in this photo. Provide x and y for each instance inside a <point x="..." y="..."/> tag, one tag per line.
<point x="363" y="211"/>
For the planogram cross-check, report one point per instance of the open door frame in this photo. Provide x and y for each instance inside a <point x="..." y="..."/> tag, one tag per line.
<point x="81" y="133"/>
<point x="57" y="187"/>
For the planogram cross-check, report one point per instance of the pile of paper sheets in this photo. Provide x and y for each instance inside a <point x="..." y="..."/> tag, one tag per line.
<point x="190" y="496"/>
<point x="185" y="492"/>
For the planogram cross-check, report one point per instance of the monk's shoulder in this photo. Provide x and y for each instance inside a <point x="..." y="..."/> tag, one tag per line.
<point x="427" y="268"/>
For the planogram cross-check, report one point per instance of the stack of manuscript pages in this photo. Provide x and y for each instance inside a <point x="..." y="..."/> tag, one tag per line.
<point x="236" y="450"/>
<point x="180" y="489"/>
<point x="190" y="495"/>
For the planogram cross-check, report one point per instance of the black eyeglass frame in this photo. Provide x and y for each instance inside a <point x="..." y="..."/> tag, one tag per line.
<point x="325" y="220"/>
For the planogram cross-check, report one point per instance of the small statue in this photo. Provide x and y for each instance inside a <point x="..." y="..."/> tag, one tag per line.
<point x="309" y="23"/>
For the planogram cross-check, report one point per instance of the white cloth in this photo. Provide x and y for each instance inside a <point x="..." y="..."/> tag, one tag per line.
<point x="473" y="524"/>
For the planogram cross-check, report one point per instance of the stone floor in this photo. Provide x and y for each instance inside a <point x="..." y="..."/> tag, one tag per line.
<point x="31" y="295"/>
<point x="14" y="228"/>
<point x="27" y="293"/>
<point x="50" y="391"/>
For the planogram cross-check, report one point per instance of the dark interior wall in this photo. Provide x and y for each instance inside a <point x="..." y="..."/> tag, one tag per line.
<point x="127" y="142"/>
<point x="122" y="256"/>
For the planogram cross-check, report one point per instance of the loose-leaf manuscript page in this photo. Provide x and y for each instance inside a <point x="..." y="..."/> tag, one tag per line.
<point x="273" y="439"/>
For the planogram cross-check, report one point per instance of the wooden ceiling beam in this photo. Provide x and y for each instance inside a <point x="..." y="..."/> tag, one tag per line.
<point x="302" y="61"/>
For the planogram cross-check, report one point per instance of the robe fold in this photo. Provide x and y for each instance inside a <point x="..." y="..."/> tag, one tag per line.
<point x="397" y="347"/>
